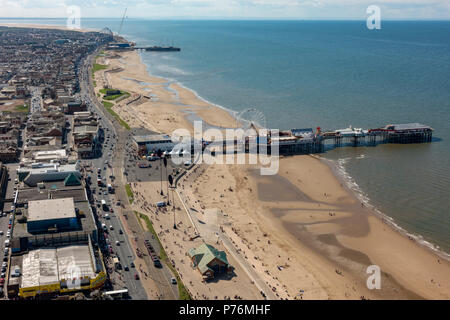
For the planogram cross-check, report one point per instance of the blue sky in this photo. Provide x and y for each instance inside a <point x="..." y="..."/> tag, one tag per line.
<point x="277" y="9"/>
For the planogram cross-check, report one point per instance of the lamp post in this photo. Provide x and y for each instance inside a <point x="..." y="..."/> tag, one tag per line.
<point x="173" y="200"/>
<point x="165" y="167"/>
<point x="159" y="153"/>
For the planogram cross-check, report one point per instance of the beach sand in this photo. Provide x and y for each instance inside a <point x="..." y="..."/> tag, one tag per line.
<point x="163" y="106"/>
<point x="305" y="222"/>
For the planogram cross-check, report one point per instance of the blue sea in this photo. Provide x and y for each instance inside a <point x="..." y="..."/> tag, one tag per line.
<point x="330" y="74"/>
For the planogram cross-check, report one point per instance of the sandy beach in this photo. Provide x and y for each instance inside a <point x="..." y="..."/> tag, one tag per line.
<point x="161" y="105"/>
<point x="304" y="234"/>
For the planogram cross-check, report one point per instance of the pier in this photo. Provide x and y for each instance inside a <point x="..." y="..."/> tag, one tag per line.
<point x="306" y="141"/>
<point x="158" y="48"/>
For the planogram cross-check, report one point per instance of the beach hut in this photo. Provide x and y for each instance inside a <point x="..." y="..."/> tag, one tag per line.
<point x="209" y="261"/>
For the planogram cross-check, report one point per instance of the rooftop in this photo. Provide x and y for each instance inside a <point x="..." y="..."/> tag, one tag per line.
<point x="51" y="265"/>
<point x="151" y="138"/>
<point x="51" y="209"/>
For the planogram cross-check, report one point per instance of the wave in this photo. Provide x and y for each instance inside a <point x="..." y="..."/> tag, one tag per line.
<point x="339" y="167"/>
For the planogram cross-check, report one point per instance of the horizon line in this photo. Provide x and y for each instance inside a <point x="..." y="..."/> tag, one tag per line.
<point x="237" y="18"/>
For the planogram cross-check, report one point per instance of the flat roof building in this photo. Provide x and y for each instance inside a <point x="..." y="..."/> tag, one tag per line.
<point x="51" y="214"/>
<point x="153" y="142"/>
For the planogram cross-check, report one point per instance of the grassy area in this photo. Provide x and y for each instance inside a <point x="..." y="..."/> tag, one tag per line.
<point x="98" y="67"/>
<point x="184" y="294"/>
<point x="24" y="108"/>
<point x="108" y="106"/>
<point x="114" y="96"/>
<point x="95" y="83"/>
<point x="129" y="193"/>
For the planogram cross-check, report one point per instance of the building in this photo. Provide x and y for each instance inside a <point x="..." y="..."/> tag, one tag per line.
<point x="46" y="172"/>
<point x="55" y="225"/>
<point x="153" y="142"/>
<point x="51" y="271"/>
<point x="209" y="261"/>
<point x="408" y="128"/>
<point x="75" y="106"/>
<point x="51" y="215"/>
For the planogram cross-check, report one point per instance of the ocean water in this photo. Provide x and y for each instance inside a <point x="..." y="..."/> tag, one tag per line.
<point x="329" y="74"/>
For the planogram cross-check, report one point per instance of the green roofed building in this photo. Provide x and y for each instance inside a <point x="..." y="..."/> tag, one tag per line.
<point x="72" y="180"/>
<point x="209" y="261"/>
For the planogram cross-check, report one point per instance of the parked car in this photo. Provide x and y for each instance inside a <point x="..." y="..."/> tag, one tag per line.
<point x="173" y="281"/>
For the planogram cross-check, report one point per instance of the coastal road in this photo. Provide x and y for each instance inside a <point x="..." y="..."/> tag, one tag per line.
<point x="161" y="277"/>
<point x="123" y="250"/>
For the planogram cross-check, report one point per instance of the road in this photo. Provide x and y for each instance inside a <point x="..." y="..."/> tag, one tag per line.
<point x="114" y="152"/>
<point x="123" y="250"/>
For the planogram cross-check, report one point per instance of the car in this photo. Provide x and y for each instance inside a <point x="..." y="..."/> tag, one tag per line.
<point x="5" y="258"/>
<point x="136" y="276"/>
<point x="126" y="268"/>
<point x="4" y="264"/>
<point x="120" y="231"/>
<point x="132" y="265"/>
<point x="173" y="280"/>
<point x="117" y="243"/>
<point x="3" y="275"/>
<point x="6" y="250"/>
<point x="1" y="233"/>
<point x="3" y="269"/>
<point x="111" y="228"/>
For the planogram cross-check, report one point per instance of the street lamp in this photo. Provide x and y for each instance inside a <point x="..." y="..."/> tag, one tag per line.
<point x="173" y="200"/>
<point x="159" y="153"/>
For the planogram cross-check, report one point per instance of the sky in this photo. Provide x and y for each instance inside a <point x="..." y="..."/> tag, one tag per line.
<point x="233" y="9"/>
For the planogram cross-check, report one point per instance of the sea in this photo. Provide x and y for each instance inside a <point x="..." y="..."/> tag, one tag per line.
<point x="327" y="74"/>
